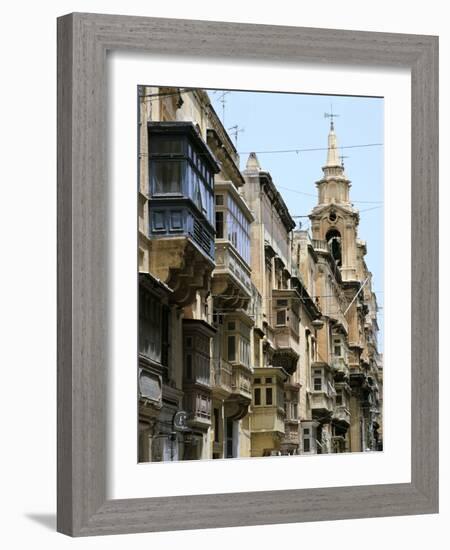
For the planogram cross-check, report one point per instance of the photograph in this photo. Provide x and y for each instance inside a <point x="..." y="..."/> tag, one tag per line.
<point x="260" y="274"/>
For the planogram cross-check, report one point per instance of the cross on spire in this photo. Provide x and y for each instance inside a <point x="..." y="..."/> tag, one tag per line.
<point x="342" y="157"/>
<point x="332" y="116"/>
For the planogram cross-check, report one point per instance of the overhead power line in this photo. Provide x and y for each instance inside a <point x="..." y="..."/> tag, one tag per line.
<point x="310" y="149"/>
<point x="315" y="195"/>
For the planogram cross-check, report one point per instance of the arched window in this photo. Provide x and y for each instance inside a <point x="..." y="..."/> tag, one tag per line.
<point x="333" y="238"/>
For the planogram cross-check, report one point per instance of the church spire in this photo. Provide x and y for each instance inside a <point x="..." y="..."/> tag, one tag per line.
<point x="334" y="185"/>
<point x="333" y="167"/>
<point x="333" y="154"/>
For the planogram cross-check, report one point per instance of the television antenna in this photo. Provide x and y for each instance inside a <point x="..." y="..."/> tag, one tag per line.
<point x="223" y="99"/>
<point x="235" y="131"/>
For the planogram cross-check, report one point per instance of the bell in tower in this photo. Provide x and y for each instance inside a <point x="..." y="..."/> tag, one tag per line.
<point x="334" y="220"/>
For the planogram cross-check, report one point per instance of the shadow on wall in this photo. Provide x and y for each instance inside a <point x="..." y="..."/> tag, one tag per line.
<point x="47" y="520"/>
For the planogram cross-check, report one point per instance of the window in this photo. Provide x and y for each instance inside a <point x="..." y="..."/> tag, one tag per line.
<point x="216" y="425"/>
<point x="165" y="344"/>
<point x="268" y="396"/>
<point x="244" y="351"/>
<point x="189" y="366"/>
<point x="257" y="396"/>
<point x="229" y="448"/>
<point x="337" y="349"/>
<point x="231" y="348"/>
<point x="219" y="225"/>
<point x="257" y="381"/>
<point x="219" y="200"/>
<point x="231" y="325"/>
<point x="170" y="145"/>
<point x="306" y="445"/>
<point x="305" y="431"/>
<point x="238" y="229"/>
<point x="153" y="332"/>
<point x="268" y="380"/>
<point x="167" y="177"/>
<point x="317" y="384"/>
<point x="281" y="317"/>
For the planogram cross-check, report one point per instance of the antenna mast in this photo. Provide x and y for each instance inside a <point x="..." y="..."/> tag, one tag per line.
<point x="235" y="131"/>
<point x="222" y="99"/>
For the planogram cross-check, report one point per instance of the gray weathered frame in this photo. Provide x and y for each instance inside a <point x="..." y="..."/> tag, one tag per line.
<point x="83" y="40"/>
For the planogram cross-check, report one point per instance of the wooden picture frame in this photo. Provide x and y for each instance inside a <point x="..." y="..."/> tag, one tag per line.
<point x="83" y="40"/>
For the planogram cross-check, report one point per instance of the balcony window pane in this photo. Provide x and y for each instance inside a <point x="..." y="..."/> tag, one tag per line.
<point x="306" y="445"/>
<point x="281" y="317"/>
<point x="189" y="366"/>
<point x="317" y="384"/>
<point x="268" y="396"/>
<point x="167" y="177"/>
<point x="216" y="425"/>
<point x="166" y="146"/>
<point x="257" y="396"/>
<point x="219" y="225"/>
<point x="231" y="348"/>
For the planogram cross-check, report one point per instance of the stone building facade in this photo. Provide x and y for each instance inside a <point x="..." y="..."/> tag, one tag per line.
<point x="255" y="339"/>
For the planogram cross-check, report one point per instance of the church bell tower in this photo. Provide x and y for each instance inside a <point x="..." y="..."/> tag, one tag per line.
<point x="334" y="219"/>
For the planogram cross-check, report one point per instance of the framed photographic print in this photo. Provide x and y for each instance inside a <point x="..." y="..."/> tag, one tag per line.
<point x="247" y="274"/>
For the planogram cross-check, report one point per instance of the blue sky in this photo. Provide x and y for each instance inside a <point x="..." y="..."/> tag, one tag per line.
<point x="277" y="121"/>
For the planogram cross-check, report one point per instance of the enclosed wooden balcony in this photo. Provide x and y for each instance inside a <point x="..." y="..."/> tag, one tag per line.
<point x="322" y="395"/>
<point x="268" y="413"/>
<point x="321" y="404"/>
<point x="197" y="383"/>
<point x="341" y="415"/>
<point x="268" y="419"/>
<point x="222" y="375"/>
<point x="231" y="285"/>
<point x="180" y="208"/>
<point x="340" y="367"/>
<point x="285" y="322"/>
<point x="291" y="439"/>
<point x="197" y="402"/>
<point x="238" y="403"/>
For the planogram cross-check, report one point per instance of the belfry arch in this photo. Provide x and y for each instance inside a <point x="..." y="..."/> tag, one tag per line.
<point x="334" y="240"/>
